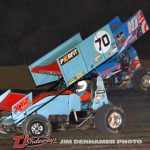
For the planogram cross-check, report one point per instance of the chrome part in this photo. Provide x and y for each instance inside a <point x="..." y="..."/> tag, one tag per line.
<point x="90" y="116"/>
<point x="114" y="120"/>
<point x="146" y="81"/>
<point x="37" y="129"/>
<point x="75" y="115"/>
<point x="7" y="121"/>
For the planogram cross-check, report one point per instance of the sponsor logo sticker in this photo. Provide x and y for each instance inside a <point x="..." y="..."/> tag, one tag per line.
<point x="120" y="39"/>
<point x="111" y="52"/>
<point x="22" y="105"/>
<point x="78" y="76"/>
<point x="97" y="58"/>
<point x="67" y="57"/>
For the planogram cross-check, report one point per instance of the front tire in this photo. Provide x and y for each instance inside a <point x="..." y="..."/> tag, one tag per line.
<point x="37" y="125"/>
<point x="110" y="119"/>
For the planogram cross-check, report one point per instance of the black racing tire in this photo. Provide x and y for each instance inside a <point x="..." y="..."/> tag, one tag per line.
<point x="36" y="126"/>
<point x="3" y="133"/>
<point x="103" y="119"/>
<point x="7" y="135"/>
<point x="141" y="80"/>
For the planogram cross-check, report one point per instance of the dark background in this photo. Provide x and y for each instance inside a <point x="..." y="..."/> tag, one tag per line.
<point x="31" y="28"/>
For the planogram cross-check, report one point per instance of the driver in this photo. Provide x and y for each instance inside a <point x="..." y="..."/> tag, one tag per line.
<point x="85" y="90"/>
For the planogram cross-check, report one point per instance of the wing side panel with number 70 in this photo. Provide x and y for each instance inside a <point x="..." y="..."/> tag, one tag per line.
<point x="97" y="48"/>
<point x="93" y="51"/>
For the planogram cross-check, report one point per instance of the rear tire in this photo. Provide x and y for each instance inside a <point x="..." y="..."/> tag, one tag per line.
<point x="110" y="119"/>
<point x="37" y="125"/>
<point x="141" y="80"/>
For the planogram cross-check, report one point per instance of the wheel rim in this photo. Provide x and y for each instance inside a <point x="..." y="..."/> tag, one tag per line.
<point x="2" y="129"/>
<point x="146" y="81"/>
<point x="115" y="120"/>
<point x="37" y="128"/>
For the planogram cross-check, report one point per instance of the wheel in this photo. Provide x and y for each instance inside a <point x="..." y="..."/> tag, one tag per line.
<point x="110" y="119"/>
<point x="141" y="80"/>
<point x="5" y="133"/>
<point x="37" y="125"/>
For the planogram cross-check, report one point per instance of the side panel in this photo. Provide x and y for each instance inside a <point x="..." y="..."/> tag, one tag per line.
<point x="59" y="106"/>
<point x="115" y="23"/>
<point x="47" y="70"/>
<point x="90" y="55"/>
<point x="99" y="47"/>
<point x="87" y="55"/>
<point x="74" y="103"/>
<point x="72" y="66"/>
<point x="62" y="105"/>
<point x="41" y="79"/>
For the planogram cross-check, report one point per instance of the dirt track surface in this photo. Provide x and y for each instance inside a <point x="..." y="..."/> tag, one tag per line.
<point x="137" y="108"/>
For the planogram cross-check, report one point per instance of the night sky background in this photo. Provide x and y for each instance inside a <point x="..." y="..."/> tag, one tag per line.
<point x="31" y="28"/>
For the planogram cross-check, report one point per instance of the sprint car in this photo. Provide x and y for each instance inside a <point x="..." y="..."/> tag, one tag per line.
<point x="105" y="55"/>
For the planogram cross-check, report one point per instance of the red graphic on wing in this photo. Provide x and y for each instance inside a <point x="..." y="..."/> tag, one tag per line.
<point x="51" y="69"/>
<point x="10" y="100"/>
<point x="142" y="22"/>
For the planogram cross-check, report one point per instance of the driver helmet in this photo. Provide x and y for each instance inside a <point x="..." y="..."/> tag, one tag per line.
<point x="81" y="86"/>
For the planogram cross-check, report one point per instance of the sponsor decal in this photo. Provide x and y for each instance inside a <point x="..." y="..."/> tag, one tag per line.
<point x="50" y="69"/>
<point x="22" y="105"/>
<point x="78" y="76"/>
<point x="72" y="80"/>
<point x="67" y="57"/>
<point x="120" y="39"/>
<point x="137" y="20"/>
<point x="102" y="41"/>
<point x="97" y="58"/>
<point x="21" y="141"/>
<point x="126" y="43"/>
<point x="111" y="52"/>
<point x="50" y="72"/>
<point x="100" y="91"/>
<point x="132" y="24"/>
